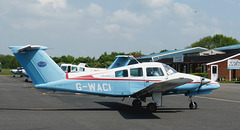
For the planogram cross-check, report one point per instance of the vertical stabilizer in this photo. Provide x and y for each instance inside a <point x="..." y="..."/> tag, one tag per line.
<point x="38" y="65"/>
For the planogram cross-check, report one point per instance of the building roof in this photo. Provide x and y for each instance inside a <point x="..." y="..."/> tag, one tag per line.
<point x="221" y="60"/>
<point x="172" y="53"/>
<point x="201" y="59"/>
<point x="232" y="47"/>
<point x="211" y="52"/>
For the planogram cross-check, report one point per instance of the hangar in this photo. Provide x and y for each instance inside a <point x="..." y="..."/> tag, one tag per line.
<point x="220" y="63"/>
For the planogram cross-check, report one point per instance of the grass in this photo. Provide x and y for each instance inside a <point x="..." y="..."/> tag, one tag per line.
<point x="6" y="72"/>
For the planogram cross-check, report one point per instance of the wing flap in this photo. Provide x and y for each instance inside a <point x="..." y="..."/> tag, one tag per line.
<point x="162" y="86"/>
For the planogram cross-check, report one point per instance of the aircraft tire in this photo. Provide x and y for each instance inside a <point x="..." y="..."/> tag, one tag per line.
<point x="193" y="106"/>
<point x="152" y="107"/>
<point x="137" y="103"/>
<point x="26" y="80"/>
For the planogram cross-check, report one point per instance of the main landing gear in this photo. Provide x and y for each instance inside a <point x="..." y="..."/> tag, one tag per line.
<point x="192" y="105"/>
<point x="137" y="104"/>
<point x="152" y="107"/>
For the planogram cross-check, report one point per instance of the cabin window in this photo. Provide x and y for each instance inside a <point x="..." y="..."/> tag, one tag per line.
<point x="121" y="73"/>
<point x="64" y="68"/>
<point x="154" y="71"/>
<point x="74" y="69"/>
<point x="136" y="72"/>
<point x="81" y="69"/>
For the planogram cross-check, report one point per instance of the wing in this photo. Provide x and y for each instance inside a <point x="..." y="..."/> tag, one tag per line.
<point x="161" y="86"/>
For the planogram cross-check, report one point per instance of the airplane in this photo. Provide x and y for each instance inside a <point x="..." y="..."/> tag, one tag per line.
<point x="81" y="67"/>
<point x="138" y="81"/>
<point x="20" y="71"/>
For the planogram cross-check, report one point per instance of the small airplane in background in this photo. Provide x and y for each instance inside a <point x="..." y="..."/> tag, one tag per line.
<point x="139" y="81"/>
<point x="70" y="68"/>
<point x="20" y="71"/>
<point x="67" y="68"/>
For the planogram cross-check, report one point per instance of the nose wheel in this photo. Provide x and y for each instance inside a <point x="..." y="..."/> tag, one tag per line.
<point x="192" y="105"/>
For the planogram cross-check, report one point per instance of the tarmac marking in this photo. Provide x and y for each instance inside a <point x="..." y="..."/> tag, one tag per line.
<point x="219" y="99"/>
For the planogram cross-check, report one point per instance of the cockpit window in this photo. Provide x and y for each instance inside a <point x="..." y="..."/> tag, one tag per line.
<point x="169" y="69"/>
<point x="154" y="71"/>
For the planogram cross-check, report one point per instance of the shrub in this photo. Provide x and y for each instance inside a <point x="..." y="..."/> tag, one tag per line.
<point x="205" y="75"/>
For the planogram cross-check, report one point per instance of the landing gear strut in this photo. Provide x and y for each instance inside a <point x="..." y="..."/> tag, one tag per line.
<point x="192" y="105"/>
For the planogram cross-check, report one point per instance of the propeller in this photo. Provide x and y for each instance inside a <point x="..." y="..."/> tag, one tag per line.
<point x="203" y="82"/>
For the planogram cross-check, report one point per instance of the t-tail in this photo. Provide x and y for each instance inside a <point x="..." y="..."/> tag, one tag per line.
<point x="38" y="65"/>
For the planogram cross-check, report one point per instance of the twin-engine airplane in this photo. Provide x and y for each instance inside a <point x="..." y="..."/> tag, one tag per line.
<point x="138" y="81"/>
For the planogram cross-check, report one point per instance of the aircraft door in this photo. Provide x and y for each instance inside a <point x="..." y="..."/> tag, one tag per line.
<point x="214" y="72"/>
<point x="137" y="79"/>
<point x="154" y="74"/>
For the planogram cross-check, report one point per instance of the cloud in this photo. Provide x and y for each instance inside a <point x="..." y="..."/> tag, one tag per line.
<point x="191" y="28"/>
<point x="157" y="3"/>
<point x="54" y="3"/>
<point x="183" y="10"/>
<point x="126" y="17"/>
<point x="112" y="28"/>
<point x="94" y="10"/>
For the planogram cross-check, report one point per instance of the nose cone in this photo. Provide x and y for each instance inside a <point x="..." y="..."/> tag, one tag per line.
<point x="205" y="81"/>
<point x="210" y="86"/>
<point x="215" y="85"/>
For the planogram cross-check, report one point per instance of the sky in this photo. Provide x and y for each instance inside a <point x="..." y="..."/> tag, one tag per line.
<point x="92" y="27"/>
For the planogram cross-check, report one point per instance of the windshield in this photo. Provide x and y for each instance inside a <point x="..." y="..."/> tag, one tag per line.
<point x="169" y="69"/>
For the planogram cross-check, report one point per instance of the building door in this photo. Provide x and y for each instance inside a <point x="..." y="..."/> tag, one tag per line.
<point x="234" y="74"/>
<point x="214" y="72"/>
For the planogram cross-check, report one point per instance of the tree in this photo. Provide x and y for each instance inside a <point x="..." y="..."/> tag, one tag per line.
<point x="9" y="61"/>
<point x="136" y="53"/>
<point x="216" y="41"/>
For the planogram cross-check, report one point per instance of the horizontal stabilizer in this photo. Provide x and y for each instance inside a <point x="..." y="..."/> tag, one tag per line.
<point x="20" y="49"/>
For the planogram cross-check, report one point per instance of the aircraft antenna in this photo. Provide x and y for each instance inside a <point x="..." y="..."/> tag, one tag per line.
<point x="135" y="59"/>
<point x="73" y="61"/>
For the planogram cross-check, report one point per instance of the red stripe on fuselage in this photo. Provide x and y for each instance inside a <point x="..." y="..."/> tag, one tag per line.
<point x="90" y="77"/>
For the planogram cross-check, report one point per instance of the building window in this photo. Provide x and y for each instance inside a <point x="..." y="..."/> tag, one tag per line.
<point x="214" y="71"/>
<point x="191" y="68"/>
<point x="136" y="72"/>
<point x="204" y="69"/>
